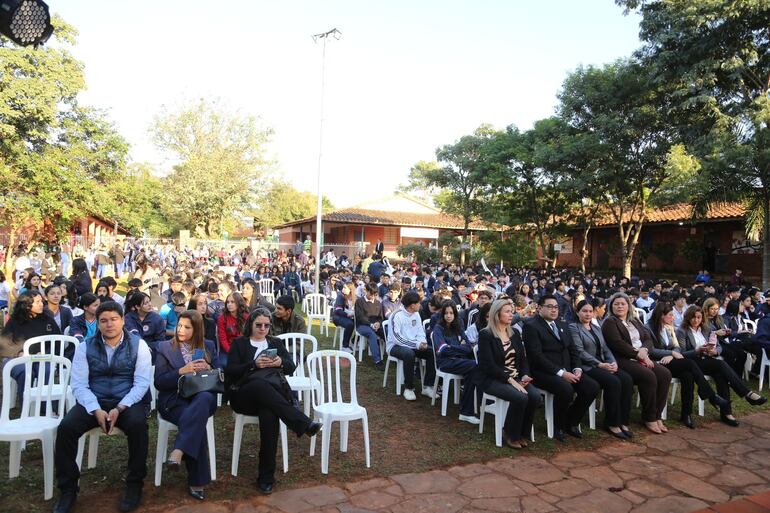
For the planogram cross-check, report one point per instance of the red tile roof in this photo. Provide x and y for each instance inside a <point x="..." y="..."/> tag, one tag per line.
<point x="382" y="217"/>
<point x="683" y="212"/>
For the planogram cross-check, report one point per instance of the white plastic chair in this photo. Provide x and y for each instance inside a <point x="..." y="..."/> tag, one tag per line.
<point x="266" y="288"/>
<point x="764" y="367"/>
<point x="93" y="445"/>
<point x="164" y="428"/>
<point x="472" y="316"/>
<point x="300" y="381"/>
<point x="315" y="307"/>
<point x="329" y="402"/>
<point x="446" y="379"/>
<point x="664" y="413"/>
<point x="750" y="325"/>
<point x="245" y="420"/>
<point x="499" y="408"/>
<point x="32" y="423"/>
<point x="548" y="403"/>
<point x="52" y="345"/>
<point x="400" y="364"/>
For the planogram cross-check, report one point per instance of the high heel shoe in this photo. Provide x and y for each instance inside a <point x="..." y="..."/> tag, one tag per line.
<point x="197" y="494"/>
<point x="755" y="399"/>
<point x="730" y="422"/>
<point x="617" y="434"/>
<point x="719" y="402"/>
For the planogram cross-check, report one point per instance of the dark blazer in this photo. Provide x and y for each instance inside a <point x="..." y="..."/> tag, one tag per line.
<point x="661" y="349"/>
<point x="240" y="359"/>
<point x="491" y="366"/>
<point x="168" y="361"/>
<point x="586" y="346"/>
<point x="619" y="341"/>
<point x="65" y="314"/>
<point x="82" y="283"/>
<point x="548" y="353"/>
<point x="687" y="342"/>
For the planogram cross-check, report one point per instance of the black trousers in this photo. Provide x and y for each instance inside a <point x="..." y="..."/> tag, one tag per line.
<point x="408" y="356"/>
<point x="133" y="422"/>
<point x="688" y="373"/>
<point x="259" y="398"/>
<point x="566" y="411"/>
<point x="521" y="410"/>
<point x="618" y="388"/>
<point x="725" y="378"/>
<point x="653" y="387"/>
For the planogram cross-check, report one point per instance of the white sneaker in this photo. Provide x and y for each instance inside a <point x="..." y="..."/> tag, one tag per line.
<point x="409" y="395"/>
<point x="470" y="419"/>
<point x="428" y="391"/>
<point x="347" y="350"/>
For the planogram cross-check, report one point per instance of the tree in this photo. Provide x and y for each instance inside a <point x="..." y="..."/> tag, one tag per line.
<point x="54" y="153"/>
<point x="715" y="56"/>
<point x="221" y="164"/>
<point x="281" y="203"/>
<point x="460" y="176"/>
<point x="625" y="110"/>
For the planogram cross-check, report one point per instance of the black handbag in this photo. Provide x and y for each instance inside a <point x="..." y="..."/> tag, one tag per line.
<point x="212" y="380"/>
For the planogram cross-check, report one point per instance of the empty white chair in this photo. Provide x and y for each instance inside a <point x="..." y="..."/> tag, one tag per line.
<point x="300" y="381"/>
<point x="32" y="423"/>
<point x="329" y="404"/>
<point x="164" y="428"/>
<point x="244" y="420"/>
<point x="315" y="307"/>
<point x="266" y="288"/>
<point x="447" y="379"/>
<point x="52" y="345"/>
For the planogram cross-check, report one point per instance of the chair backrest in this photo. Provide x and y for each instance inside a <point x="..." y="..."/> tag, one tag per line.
<point x="56" y="373"/>
<point x="642" y="315"/>
<point x="472" y="316"/>
<point x="386" y="328"/>
<point x="266" y="286"/>
<point x="325" y="366"/>
<point x="751" y="325"/>
<point x="314" y="304"/>
<point x="295" y="345"/>
<point x="49" y="344"/>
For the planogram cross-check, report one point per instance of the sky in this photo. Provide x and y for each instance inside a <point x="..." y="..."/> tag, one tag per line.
<point x="404" y="78"/>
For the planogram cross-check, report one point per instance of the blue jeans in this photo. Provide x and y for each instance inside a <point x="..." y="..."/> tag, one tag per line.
<point x="374" y="345"/>
<point x="348" y="325"/>
<point x="101" y="271"/>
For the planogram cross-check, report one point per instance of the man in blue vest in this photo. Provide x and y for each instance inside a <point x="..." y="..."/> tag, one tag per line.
<point x="110" y="378"/>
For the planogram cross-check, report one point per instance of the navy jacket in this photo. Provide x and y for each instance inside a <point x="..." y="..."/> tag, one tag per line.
<point x="167" y="364"/>
<point x="65" y="316"/>
<point x="152" y="329"/>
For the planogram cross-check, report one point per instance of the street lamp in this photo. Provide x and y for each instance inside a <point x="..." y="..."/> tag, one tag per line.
<point x="25" y="22"/>
<point x="336" y="34"/>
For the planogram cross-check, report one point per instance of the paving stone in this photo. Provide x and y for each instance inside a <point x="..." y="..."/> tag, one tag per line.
<point x="369" y="484"/>
<point x="490" y="486"/>
<point x="431" y="503"/>
<point x="252" y="508"/>
<point x="374" y="500"/>
<point x="716" y="436"/>
<point x="647" y="488"/>
<point x="762" y="499"/>
<point x="620" y="449"/>
<point x="435" y="481"/>
<point x="760" y="456"/>
<point x="534" y="504"/>
<point x="756" y="489"/>
<point x="739" y="506"/>
<point x="394" y="490"/>
<point x="573" y="459"/>
<point x="503" y="504"/>
<point x="567" y="488"/>
<point x="547" y="497"/>
<point x="598" y="501"/>
<point x="288" y="501"/>
<point x="694" y="467"/>
<point x="625" y="476"/>
<point x="208" y="507"/>
<point x="599" y="477"/>
<point x="673" y="504"/>
<point x="694" y="486"/>
<point x="760" y="420"/>
<point x="739" y="448"/>
<point x="667" y="443"/>
<point x="532" y="470"/>
<point x="631" y="497"/>
<point x="735" y="477"/>
<point x="323" y="495"/>
<point x="640" y="465"/>
<point x="347" y="508"/>
<point x="472" y="470"/>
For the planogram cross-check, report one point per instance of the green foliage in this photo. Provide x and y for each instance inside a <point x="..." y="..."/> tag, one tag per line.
<point x="666" y="252"/>
<point x="420" y="252"/>
<point x="515" y="249"/>
<point x="692" y="249"/>
<point x="281" y="203"/>
<point x="221" y="163"/>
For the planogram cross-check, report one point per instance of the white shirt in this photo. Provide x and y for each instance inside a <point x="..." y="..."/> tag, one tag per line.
<point x="260" y="345"/>
<point x="5" y="290"/>
<point x="698" y="338"/>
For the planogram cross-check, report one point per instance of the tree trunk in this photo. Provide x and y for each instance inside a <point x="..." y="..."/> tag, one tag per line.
<point x="584" y="250"/>
<point x="10" y="261"/>
<point x="766" y="246"/>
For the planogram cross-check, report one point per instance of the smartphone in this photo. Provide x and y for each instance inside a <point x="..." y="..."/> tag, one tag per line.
<point x="270" y="353"/>
<point x="199" y="354"/>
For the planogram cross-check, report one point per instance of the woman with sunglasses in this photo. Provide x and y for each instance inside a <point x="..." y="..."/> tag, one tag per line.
<point x="256" y="368"/>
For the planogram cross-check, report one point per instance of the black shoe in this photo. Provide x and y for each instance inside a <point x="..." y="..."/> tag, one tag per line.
<point x="131" y="500"/>
<point x="687" y="421"/>
<point x="575" y="431"/>
<point x="728" y="421"/>
<point x="628" y="433"/>
<point x="265" y="488"/>
<point x="755" y="399"/>
<point x="197" y="494"/>
<point x="380" y="366"/>
<point x="65" y="503"/>
<point x="559" y="435"/>
<point x="172" y="466"/>
<point x="719" y="402"/>
<point x="620" y="434"/>
<point x="313" y="429"/>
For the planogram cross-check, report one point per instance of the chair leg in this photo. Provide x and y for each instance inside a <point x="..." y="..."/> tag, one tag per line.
<point x="592" y="415"/>
<point x="285" y="447"/>
<point x="47" y="441"/>
<point x="446" y="383"/>
<point x="326" y="434"/>
<point x="306" y="399"/>
<point x="237" y="437"/>
<point x="499" y="422"/>
<point x="399" y="376"/>
<point x="14" y="460"/>
<point x="81" y="450"/>
<point x="211" y="440"/>
<point x="549" y="414"/>
<point x="457" y="383"/>
<point x="701" y="407"/>
<point x="93" y="449"/>
<point x="385" y="374"/>
<point x="344" y="435"/>
<point x="435" y="387"/>
<point x="365" y="423"/>
<point x="674" y="387"/>
<point x="160" y="450"/>
<point x="312" y="443"/>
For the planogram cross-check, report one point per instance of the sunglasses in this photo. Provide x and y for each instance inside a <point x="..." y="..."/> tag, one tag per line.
<point x="261" y="325"/>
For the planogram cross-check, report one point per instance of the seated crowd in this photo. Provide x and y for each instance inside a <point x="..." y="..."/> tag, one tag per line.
<point x="525" y="336"/>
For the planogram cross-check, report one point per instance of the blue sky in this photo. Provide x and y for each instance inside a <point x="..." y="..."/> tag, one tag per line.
<point x="405" y="78"/>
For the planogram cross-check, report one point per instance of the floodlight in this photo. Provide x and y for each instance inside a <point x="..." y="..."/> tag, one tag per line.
<point x="25" y="22"/>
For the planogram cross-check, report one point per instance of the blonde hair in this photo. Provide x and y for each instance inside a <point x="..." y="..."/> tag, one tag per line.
<point x="712" y="301"/>
<point x="494" y="311"/>
<point x="631" y="310"/>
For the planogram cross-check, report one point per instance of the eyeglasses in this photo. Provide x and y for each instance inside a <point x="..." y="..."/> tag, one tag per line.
<point x="178" y="304"/>
<point x="550" y="307"/>
<point x="261" y="325"/>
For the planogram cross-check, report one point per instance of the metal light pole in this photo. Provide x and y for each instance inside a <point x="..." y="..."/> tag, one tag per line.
<point x="336" y="34"/>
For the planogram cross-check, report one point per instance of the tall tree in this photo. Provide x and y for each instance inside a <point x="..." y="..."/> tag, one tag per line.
<point x="221" y="163"/>
<point x="460" y="176"/>
<point x="715" y="56"/>
<point x="626" y="111"/>
<point x="280" y="203"/>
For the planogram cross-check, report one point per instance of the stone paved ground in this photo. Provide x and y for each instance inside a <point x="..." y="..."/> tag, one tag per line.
<point x="683" y="471"/>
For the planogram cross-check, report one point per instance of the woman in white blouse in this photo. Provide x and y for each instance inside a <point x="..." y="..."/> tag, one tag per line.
<point x="700" y="344"/>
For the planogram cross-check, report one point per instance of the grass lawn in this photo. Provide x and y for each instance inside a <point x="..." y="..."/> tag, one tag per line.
<point x="405" y="437"/>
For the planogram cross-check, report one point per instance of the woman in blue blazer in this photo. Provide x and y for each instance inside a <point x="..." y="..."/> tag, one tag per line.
<point x="176" y="357"/>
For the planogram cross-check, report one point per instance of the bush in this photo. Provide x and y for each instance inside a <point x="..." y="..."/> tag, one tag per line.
<point x="422" y="253"/>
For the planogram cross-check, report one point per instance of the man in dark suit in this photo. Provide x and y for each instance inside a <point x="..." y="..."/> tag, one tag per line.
<point x="555" y="364"/>
<point x="379" y="248"/>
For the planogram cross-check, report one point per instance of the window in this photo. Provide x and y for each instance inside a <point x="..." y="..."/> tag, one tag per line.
<point x="391" y="235"/>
